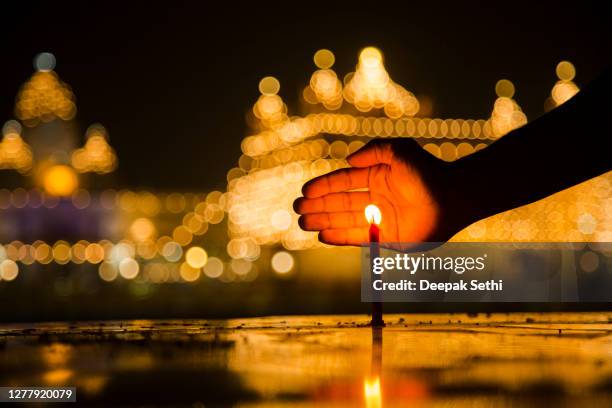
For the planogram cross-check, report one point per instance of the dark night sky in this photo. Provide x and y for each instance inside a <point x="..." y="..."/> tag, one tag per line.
<point x="172" y="84"/>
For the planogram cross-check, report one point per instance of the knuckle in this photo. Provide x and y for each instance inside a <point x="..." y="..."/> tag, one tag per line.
<point x="326" y="221"/>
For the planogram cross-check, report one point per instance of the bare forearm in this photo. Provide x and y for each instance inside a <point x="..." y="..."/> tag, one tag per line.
<point x="558" y="150"/>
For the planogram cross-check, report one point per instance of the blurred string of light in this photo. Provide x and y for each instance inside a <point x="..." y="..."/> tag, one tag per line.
<point x="143" y="244"/>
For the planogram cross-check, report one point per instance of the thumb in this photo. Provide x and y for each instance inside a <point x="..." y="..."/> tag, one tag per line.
<point x="375" y="152"/>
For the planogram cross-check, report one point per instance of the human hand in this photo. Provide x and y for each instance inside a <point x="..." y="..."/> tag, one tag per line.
<point x="413" y="189"/>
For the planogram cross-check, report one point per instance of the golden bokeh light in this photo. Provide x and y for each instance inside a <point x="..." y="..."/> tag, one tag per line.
<point x="94" y="253"/>
<point x="324" y="59"/>
<point x="120" y="251"/>
<point x="142" y="229"/>
<point x="172" y="251"/>
<point x="108" y="271"/>
<point x="564" y="88"/>
<point x="241" y="267"/>
<point x="196" y="257"/>
<point x="189" y="273"/>
<point x="81" y="198"/>
<point x="157" y="272"/>
<point x="506" y="116"/>
<point x="182" y="235"/>
<point x="214" y="267"/>
<point x="504" y="88"/>
<point x="327" y="88"/>
<point x="44" y="98"/>
<point x="97" y="155"/>
<point x="8" y="270"/>
<point x="60" y="180"/>
<point x="129" y="268"/>
<point x="371" y="87"/>
<point x="282" y="262"/>
<point x="370" y="56"/>
<point x="563" y="91"/>
<point x="42" y="252"/>
<point x="281" y="220"/>
<point x="62" y="252"/>
<point x="269" y="86"/>
<point x="14" y="152"/>
<point x="565" y="71"/>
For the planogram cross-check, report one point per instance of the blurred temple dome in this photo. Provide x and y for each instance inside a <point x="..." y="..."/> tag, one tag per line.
<point x="46" y="107"/>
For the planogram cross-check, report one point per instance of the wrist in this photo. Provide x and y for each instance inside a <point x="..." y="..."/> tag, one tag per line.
<point x="469" y="194"/>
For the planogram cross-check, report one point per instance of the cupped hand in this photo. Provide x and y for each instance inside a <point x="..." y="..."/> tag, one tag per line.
<point x="412" y="188"/>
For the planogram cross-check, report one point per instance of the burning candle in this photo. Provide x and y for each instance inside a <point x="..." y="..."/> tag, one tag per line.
<point x="374" y="217"/>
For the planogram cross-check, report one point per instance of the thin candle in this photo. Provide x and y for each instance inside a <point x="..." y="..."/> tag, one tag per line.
<point x="374" y="217"/>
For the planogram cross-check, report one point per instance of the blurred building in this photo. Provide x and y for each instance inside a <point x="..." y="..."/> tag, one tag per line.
<point x="341" y="113"/>
<point x="43" y="147"/>
<point x="58" y="207"/>
<point x="59" y="210"/>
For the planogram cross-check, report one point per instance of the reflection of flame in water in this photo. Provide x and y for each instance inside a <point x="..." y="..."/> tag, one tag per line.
<point x="372" y="393"/>
<point x="56" y="354"/>
<point x="93" y="384"/>
<point x="57" y="377"/>
<point x="371" y="384"/>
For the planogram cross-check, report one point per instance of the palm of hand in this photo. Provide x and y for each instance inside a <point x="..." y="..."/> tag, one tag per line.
<point x="401" y="179"/>
<point x="409" y="211"/>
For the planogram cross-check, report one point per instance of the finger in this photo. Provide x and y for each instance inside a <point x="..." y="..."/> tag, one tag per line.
<point x="375" y="152"/>
<point x="322" y="221"/>
<point x="345" y="236"/>
<point x="336" y="181"/>
<point x="334" y="202"/>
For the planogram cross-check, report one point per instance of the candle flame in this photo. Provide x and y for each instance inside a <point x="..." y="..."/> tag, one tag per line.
<point x="373" y="215"/>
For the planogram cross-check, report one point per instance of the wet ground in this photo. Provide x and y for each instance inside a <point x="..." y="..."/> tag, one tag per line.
<point x="559" y="359"/>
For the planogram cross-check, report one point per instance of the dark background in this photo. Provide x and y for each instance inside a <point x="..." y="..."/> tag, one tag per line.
<point x="172" y="81"/>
